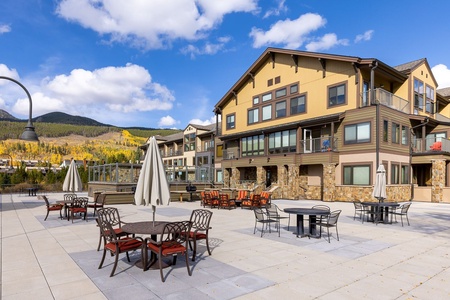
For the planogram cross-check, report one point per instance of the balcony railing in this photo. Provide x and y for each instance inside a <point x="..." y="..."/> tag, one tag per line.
<point x="430" y="145"/>
<point x="386" y="98"/>
<point x="230" y="154"/>
<point x="315" y="145"/>
<point x="205" y="149"/>
<point x="171" y="153"/>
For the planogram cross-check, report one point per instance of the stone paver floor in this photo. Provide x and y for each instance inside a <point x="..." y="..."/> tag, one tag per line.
<point x="56" y="259"/>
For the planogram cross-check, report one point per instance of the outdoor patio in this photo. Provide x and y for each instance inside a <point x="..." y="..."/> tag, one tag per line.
<point x="56" y="259"/>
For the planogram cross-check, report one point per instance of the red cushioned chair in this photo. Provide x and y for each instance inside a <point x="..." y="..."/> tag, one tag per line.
<point x="200" y="220"/>
<point x="52" y="207"/>
<point x="173" y="240"/>
<point x="111" y="214"/>
<point x="78" y="206"/>
<point x="116" y="245"/>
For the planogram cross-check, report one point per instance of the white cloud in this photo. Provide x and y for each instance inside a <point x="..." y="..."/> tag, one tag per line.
<point x="151" y="24"/>
<point x="366" y="36"/>
<point x="41" y="105"/>
<point x="208" y="48"/>
<point x="325" y="42"/>
<point x="209" y="121"/>
<point x="167" y="121"/>
<point x="442" y="74"/>
<point x="7" y="72"/>
<point x="288" y="33"/>
<point x="122" y="89"/>
<point x="276" y="11"/>
<point x="4" y="28"/>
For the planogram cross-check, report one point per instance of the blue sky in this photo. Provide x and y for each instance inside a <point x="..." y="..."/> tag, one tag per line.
<point x="166" y="63"/>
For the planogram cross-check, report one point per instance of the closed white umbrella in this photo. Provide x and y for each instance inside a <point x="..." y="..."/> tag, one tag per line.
<point x="72" y="181"/>
<point x="152" y="186"/>
<point x="379" y="190"/>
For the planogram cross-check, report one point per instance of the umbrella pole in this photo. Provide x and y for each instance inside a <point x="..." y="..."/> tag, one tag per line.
<point x="153" y="209"/>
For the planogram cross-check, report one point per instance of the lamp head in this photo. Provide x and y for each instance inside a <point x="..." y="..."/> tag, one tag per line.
<point x="29" y="134"/>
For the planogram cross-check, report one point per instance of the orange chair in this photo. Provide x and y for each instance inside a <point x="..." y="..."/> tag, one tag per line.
<point x="437" y="146"/>
<point x="52" y="207"/>
<point x="265" y="199"/>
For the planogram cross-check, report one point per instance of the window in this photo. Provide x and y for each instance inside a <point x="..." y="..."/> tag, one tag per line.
<point x="283" y="141"/>
<point x="189" y="142"/>
<point x="252" y="145"/>
<point x="267" y="97"/>
<point x="277" y="79"/>
<point x="280" y="109"/>
<point x="357" y="175"/>
<point x="267" y="112"/>
<point x="395" y="133"/>
<point x="298" y="105"/>
<point x="294" y="89"/>
<point x="280" y="93"/>
<point x="405" y="135"/>
<point x="429" y="106"/>
<point x="405" y="174"/>
<point x="395" y="174"/>
<point x="336" y="95"/>
<point x="255" y="100"/>
<point x="253" y="116"/>
<point x="230" y="121"/>
<point x="357" y="133"/>
<point x="418" y="94"/>
<point x="270" y="82"/>
<point x="385" y="130"/>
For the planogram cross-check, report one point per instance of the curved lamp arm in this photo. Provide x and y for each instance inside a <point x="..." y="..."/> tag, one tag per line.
<point x="29" y="134"/>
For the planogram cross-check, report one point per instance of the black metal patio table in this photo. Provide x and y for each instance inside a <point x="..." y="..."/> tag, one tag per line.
<point x="152" y="228"/>
<point x="312" y="213"/>
<point x="379" y="211"/>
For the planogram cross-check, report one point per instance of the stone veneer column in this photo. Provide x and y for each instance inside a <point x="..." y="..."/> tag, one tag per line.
<point x="226" y="178"/>
<point x="292" y="181"/>
<point x="437" y="179"/>
<point x="329" y="182"/>
<point x="261" y="177"/>
<point x="235" y="177"/>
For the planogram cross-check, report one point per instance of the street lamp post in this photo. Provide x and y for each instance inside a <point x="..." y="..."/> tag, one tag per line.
<point x="29" y="134"/>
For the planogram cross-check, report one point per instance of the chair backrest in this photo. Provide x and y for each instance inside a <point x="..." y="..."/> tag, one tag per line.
<point x="255" y="197"/>
<point x="110" y="214"/>
<point x="333" y="217"/>
<point x="404" y="207"/>
<point x="242" y="195"/>
<point x="80" y="202"/>
<point x="272" y="210"/>
<point x="357" y="204"/>
<point x="260" y="214"/>
<point x="224" y="196"/>
<point x="107" y="230"/>
<point x="100" y="199"/>
<point x="214" y="194"/>
<point x="46" y="200"/>
<point x="68" y="197"/>
<point x="176" y="232"/>
<point x="200" y="219"/>
<point x="324" y="207"/>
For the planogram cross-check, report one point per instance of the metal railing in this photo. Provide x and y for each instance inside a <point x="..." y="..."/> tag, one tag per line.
<point x="321" y="144"/>
<point x="230" y="154"/>
<point x="430" y="145"/>
<point x="171" y="153"/>
<point x="386" y="98"/>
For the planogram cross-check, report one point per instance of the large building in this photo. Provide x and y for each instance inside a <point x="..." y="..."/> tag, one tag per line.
<point x="319" y="125"/>
<point x="190" y="155"/>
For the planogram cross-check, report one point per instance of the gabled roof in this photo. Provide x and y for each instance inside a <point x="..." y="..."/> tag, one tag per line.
<point x="409" y="66"/>
<point x="270" y="53"/>
<point x="444" y="92"/>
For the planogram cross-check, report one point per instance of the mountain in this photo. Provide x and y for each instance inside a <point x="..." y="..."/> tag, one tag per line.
<point x="63" y="118"/>
<point x="6" y="116"/>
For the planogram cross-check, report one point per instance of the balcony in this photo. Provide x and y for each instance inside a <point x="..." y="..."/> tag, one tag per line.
<point x="316" y="145"/>
<point x="386" y="98"/>
<point x="430" y="145"/>
<point x="230" y="154"/>
<point x="171" y="153"/>
<point x="205" y="149"/>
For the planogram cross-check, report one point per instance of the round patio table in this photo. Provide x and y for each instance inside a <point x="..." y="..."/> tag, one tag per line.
<point x="312" y="213"/>
<point x="148" y="228"/>
<point x="379" y="211"/>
